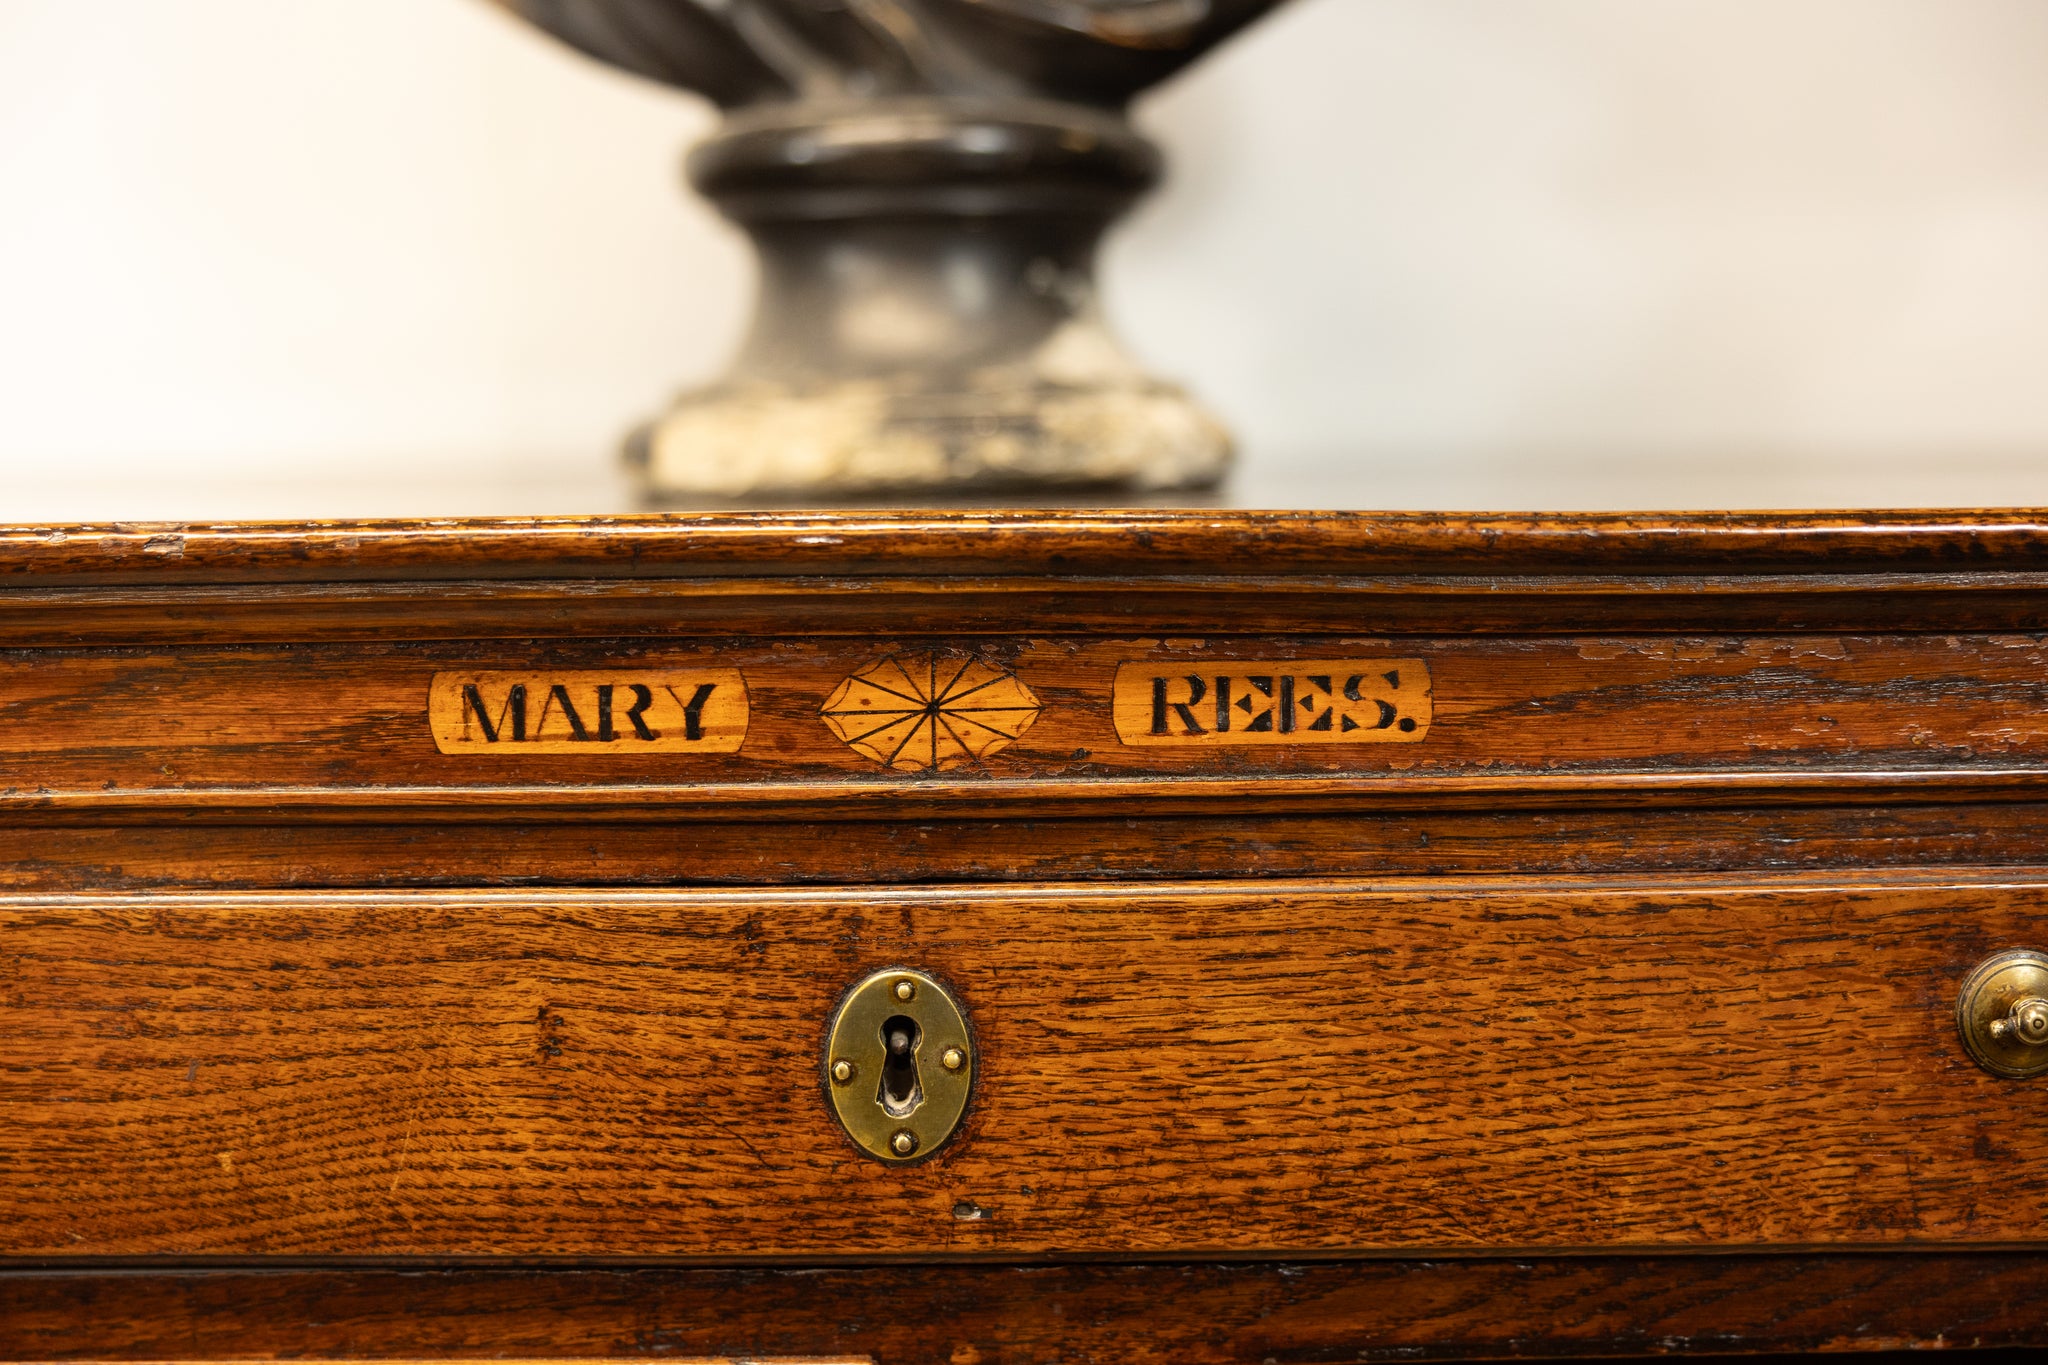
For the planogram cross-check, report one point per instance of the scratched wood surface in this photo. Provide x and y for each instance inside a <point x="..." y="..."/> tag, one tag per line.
<point x="1119" y="541"/>
<point x="1181" y="1070"/>
<point x="1711" y="816"/>
<point x="1124" y="573"/>
<point x="1300" y="1313"/>
<point x="1529" y="719"/>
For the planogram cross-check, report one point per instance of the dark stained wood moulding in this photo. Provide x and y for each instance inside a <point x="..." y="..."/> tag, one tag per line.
<point x="1031" y="543"/>
<point x="534" y="850"/>
<point x="991" y="573"/>
<point x="1966" y="1305"/>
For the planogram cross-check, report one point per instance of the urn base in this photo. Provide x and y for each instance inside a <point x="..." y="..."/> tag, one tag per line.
<point x="876" y="437"/>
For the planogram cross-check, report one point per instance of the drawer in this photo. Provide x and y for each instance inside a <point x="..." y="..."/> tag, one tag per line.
<point x="1249" y="1069"/>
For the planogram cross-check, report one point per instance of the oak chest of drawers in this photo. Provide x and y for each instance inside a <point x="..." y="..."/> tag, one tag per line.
<point x="1141" y="936"/>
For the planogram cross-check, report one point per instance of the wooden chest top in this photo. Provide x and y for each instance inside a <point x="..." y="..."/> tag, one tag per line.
<point x="1321" y="896"/>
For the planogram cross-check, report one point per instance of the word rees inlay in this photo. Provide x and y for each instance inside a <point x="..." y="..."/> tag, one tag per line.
<point x="1292" y="701"/>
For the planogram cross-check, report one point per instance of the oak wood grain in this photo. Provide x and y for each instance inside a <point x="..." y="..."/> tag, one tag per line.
<point x="1530" y="720"/>
<point x="1269" y="1069"/>
<point x="1667" y="912"/>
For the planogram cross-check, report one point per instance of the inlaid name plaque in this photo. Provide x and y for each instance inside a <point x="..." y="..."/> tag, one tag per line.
<point x="1294" y="701"/>
<point x="699" y="710"/>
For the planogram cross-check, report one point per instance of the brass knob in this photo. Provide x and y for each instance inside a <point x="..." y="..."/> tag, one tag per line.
<point x="2026" y="1022"/>
<point x="2003" y="1013"/>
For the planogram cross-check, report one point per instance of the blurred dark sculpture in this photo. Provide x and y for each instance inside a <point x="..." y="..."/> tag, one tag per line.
<point x="926" y="182"/>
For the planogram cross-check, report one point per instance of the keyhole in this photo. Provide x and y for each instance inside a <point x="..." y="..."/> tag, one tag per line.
<point x="901" y="1091"/>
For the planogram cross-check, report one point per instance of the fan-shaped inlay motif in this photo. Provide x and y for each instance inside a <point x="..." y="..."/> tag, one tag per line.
<point x="929" y="712"/>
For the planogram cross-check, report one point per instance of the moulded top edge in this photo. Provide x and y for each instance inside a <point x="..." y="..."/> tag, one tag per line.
<point x="1129" y="542"/>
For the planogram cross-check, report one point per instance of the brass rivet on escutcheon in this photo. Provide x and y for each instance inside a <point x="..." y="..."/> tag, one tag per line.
<point x="2002" y="1013"/>
<point x="899" y="1059"/>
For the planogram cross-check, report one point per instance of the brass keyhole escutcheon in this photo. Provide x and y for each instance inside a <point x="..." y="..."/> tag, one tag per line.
<point x="899" y="1064"/>
<point x="2003" y="1013"/>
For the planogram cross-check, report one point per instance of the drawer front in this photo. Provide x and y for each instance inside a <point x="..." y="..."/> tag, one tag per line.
<point x="1191" y="1069"/>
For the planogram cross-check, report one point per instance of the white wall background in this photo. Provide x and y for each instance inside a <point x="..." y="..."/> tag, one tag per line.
<point x="298" y="257"/>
